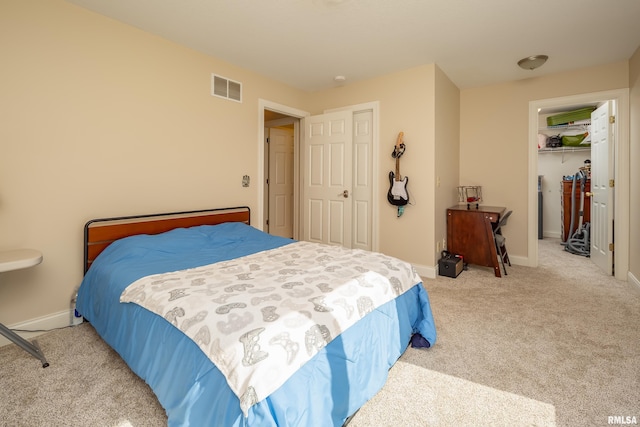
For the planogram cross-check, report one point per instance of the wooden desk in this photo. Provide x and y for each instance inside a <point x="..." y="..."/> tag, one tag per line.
<point x="470" y="234"/>
<point x="16" y="260"/>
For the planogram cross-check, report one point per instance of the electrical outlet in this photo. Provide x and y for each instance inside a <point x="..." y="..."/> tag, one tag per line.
<point x="444" y="244"/>
<point x="438" y="247"/>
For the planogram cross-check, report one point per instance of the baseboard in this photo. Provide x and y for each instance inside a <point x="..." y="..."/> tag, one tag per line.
<point x="42" y="324"/>
<point x="519" y="260"/>
<point x="426" y="271"/>
<point x="432" y="272"/>
<point x="66" y="318"/>
<point x="633" y="279"/>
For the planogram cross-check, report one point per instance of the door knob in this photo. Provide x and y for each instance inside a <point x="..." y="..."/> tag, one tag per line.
<point x="588" y="194"/>
<point x="345" y="194"/>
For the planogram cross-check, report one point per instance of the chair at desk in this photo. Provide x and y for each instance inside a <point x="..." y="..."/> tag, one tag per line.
<point x="500" y="240"/>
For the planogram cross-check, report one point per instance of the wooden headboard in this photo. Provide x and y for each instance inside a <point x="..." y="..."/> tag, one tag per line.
<point x="100" y="233"/>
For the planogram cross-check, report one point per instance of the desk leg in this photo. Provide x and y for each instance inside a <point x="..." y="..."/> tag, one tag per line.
<point x="30" y="347"/>
<point x="492" y="250"/>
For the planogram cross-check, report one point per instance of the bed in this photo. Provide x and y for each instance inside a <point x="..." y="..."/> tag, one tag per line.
<point x="147" y="276"/>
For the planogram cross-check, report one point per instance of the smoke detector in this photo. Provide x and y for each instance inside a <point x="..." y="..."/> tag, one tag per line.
<point x="532" y="62"/>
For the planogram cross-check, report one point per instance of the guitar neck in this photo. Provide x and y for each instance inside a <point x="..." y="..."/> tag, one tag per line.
<point x="398" y="147"/>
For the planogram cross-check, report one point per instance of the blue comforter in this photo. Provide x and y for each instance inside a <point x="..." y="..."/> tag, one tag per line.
<point x="324" y="392"/>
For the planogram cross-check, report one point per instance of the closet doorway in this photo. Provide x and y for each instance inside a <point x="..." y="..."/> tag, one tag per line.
<point x="618" y="171"/>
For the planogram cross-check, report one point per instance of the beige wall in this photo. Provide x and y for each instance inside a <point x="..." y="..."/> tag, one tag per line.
<point x="101" y="119"/>
<point x="494" y="136"/>
<point x="410" y="101"/>
<point x="634" y="132"/>
<point x="447" y="154"/>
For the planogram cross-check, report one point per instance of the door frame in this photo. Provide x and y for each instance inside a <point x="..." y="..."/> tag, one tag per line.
<point x="258" y="216"/>
<point x="621" y="173"/>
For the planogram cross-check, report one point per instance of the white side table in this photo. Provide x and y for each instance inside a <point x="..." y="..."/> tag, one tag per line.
<point x="15" y="260"/>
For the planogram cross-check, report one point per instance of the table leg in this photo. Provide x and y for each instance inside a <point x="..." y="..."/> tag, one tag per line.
<point x="492" y="246"/>
<point x="30" y="347"/>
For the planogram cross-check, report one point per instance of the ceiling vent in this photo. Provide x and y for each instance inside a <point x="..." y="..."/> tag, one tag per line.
<point x="225" y="88"/>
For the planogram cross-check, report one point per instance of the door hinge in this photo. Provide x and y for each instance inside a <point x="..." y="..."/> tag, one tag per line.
<point x="267" y="181"/>
<point x="267" y="222"/>
<point x="611" y="247"/>
<point x="612" y="183"/>
<point x="268" y="140"/>
<point x="612" y="119"/>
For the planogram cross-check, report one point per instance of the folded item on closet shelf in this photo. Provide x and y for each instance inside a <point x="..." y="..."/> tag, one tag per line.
<point x="585" y="122"/>
<point x="574" y="140"/>
<point x="570" y="116"/>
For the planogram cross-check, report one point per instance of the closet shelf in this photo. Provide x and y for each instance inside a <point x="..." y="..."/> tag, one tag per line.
<point x="581" y="126"/>
<point x="563" y="149"/>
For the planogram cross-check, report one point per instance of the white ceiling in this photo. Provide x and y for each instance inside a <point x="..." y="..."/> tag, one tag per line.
<point x="305" y="43"/>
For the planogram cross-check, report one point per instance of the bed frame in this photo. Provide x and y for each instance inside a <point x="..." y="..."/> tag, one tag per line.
<point x="100" y="233"/>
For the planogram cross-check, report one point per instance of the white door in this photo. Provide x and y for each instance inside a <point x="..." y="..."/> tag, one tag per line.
<point x="280" y="182"/>
<point x="327" y="149"/>
<point x="362" y="189"/>
<point x="602" y="193"/>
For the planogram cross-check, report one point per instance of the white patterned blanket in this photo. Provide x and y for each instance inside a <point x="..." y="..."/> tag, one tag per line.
<point x="260" y="317"/>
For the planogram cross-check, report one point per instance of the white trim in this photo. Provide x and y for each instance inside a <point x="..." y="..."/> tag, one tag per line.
<point x="426" y="271"/>
<point x="552" y="234"/>
<point x="431" y="272"/>
<point x="519" y="260"/>
<point x="622" y="173"/>
<point x="57" y="320"/>
<point x="257" y="219"/>
<point x="634" y="280"/>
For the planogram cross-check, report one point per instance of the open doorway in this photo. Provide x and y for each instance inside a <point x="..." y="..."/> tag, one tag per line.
<point x="619" y="172"/>
<point x="277" y="114"/>
<point x="279" y="150"/>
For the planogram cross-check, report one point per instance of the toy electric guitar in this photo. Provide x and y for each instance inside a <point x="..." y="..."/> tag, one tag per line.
<point x="397" y="194"/>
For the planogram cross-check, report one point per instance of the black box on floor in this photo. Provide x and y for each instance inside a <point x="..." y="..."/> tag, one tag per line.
<point x="450" y="265"/>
